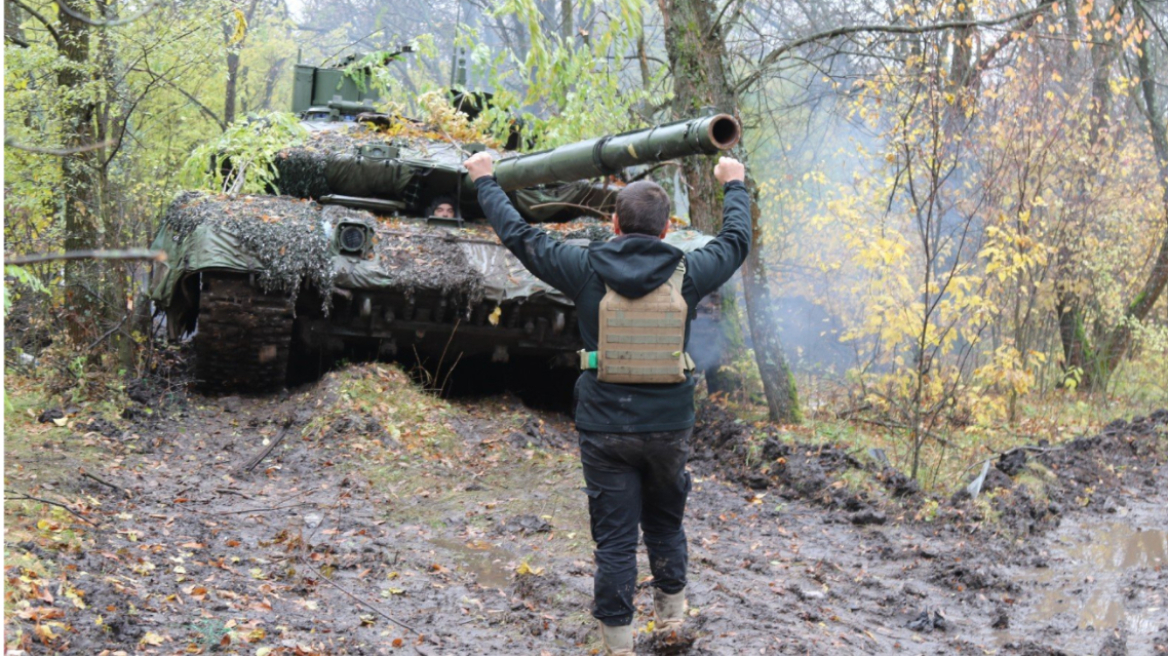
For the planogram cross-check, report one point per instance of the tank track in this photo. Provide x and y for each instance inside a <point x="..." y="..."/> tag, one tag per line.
<point x="243" y="335"/>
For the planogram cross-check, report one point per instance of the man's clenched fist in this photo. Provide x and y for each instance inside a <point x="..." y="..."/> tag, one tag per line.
<point x="726" y="170"/>
<point x="480" y="164"/>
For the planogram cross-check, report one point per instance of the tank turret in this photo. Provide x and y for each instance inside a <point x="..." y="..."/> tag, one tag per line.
<point x="400" y="178"/>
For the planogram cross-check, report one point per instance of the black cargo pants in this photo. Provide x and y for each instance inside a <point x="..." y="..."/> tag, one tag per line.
<point x="635" y="480"/>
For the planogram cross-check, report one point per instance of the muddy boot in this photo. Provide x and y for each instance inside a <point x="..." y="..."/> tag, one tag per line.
<point x="669" y="610"/>
<point x="618" y="640"/>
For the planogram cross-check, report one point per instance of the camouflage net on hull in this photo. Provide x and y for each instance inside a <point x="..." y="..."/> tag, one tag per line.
<point x="282" y="235"/>
<point x="423" y="262"/>
<point x="592" y="230"/>
<point x="287" y="244"/>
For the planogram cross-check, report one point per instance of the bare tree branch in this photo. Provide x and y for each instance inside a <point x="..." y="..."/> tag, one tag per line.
<point x="777" y="54"/>
<point x="990" y="53"/>
<point x="40" y="19"/>
<point x="1147" y="16"/>
<point x="194" y="101"/>
<point x="116" y="328"/>
<point x="28" y="497"/>
<point x="59" y="152"/>
<point x="127" y="254"/>
<point x="106" y="23"/>
<point x="718" y="19"/>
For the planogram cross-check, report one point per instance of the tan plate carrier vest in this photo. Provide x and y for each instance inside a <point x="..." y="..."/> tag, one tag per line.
<point x="642" y="340"/>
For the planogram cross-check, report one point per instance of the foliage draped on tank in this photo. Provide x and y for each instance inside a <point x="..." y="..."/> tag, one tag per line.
<point x="243" y="158"/>
<point x="284" y="235"/>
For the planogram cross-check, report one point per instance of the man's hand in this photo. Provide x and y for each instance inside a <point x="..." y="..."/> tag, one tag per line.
<point x="727" y="169"/>
<point x="480" y="164"/>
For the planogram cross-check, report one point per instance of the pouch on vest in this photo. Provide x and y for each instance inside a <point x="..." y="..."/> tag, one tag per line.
<point x="643" y="340"/>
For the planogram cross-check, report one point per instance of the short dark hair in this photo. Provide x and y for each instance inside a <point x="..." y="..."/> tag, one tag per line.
<point x="441" y="200"/>
<point x="642" y="208"/>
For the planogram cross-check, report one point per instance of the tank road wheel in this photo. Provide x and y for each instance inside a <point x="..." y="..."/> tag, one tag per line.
<point x="243" y="335"/>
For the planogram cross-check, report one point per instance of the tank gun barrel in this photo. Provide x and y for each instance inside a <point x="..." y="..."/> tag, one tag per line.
<point x="607" y="155"/>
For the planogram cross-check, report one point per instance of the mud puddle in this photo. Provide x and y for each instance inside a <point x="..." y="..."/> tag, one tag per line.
<point x="1094" y="579"/>
<point x="481" y="559"/>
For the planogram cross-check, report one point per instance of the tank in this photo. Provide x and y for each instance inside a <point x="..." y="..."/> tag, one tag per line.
<point x="346" y="256"/>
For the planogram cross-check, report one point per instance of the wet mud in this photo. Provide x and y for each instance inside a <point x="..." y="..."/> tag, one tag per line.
<point x="358" y="538"/>
<point x="1103" y="577"/>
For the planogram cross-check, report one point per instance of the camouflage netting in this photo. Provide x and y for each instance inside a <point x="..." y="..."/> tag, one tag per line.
<point x="349" y="137"/>
<point x="415" y="257"/>
<point x="304" y="171"/>
<point x="288" y="243"/>
<point x="590" y="229"/>
<point x="430" y="262"/>
<point x="301" y="173"/>
<point x="283" y="235"/>
<point x="343" y="137"/>
<point x="581" y="228"/>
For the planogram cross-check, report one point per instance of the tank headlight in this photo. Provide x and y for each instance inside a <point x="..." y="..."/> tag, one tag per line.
<point x="351" y="239"/>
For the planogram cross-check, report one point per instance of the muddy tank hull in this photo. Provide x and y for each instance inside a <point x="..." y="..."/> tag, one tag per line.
<point x="264" y="281"/>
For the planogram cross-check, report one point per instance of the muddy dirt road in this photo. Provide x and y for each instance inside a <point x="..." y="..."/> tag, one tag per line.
<point x="382" y="522"/>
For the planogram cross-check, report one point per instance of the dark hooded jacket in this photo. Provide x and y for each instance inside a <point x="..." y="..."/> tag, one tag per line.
<point x="632" y="265"/>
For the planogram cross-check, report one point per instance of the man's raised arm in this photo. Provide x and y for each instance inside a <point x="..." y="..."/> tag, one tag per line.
<point x="561" y="266"/>
<point x="713" y="264"/>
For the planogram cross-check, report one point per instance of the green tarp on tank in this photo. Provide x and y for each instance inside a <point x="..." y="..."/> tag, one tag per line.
<point x="287" y="242"/>
<point x="553" y="204"/>
<point x="280" y="239"/>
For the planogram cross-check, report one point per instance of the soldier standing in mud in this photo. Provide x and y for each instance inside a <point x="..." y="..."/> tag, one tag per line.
<point x="635" y="297"/>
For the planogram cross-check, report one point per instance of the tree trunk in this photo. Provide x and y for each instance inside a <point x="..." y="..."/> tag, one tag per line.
<point x="1099" y="361"/>
<point x="778" y="382"/>
<point x="566" y="19"/>
<point x="229" y="101"/>
<point x="699" y="84"/>
<point x="12" y="19"/>
<point x="697" y="60"/>
<point x="270" y="81"/>
<point x="113" y="116"/>
<point x="79" y="185"/>
<point x="243" y="106"/>
<point x="643" y="56"/>
<point x="1077" y="353"/>
<point x="1115" y="345"/>
<point x="1080" y="361"/>
<point x="961" y="67"/>
<point x="232" y="91"/>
